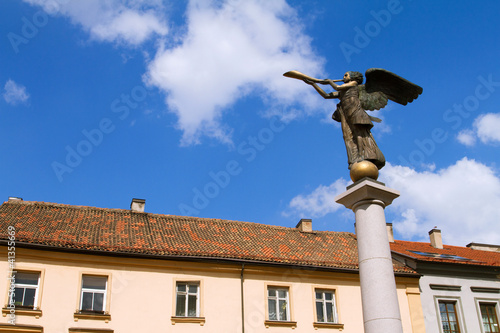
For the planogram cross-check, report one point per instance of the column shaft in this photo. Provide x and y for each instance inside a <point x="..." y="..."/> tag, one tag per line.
<point x="376" y="273"/>
<point x="368" y="198"/>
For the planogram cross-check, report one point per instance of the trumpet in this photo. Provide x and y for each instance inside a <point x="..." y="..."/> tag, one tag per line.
<point x="301" y="76"/>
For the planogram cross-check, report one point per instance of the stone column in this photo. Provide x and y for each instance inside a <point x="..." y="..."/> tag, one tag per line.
<point x="368" y="198"/>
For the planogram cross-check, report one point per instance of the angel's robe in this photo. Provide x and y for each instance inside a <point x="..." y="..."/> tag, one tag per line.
<point x="359" y="141"/>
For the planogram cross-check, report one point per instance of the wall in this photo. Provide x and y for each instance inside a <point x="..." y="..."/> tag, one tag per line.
<point x="143" y="294"/>
<point x="466" y="299"/>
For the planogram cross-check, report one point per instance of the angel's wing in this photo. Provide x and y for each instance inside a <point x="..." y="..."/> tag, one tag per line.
<point x="395" y="87"/>
<point x="371" y="101"/>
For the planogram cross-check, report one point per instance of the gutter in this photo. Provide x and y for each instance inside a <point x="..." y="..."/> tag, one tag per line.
<point x="131" y="254"/>
<point x="242" y="300"/>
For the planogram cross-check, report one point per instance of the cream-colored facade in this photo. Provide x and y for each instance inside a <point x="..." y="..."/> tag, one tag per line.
<point x="141" y="295"/>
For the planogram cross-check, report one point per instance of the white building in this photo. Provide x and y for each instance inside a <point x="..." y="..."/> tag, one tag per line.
<point x="460" y="286"/>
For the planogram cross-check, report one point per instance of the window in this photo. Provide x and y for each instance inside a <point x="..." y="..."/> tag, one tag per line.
<point x="278" y="304"/>
<point x="187" y="299"/>
<point x="489" y="317"/>
<point x="441" y="256"/>
<point x="93" y="297"/>
<point x="449" y="318"/>
<point x="326" y="311"/>
<point x="26" y="289"/>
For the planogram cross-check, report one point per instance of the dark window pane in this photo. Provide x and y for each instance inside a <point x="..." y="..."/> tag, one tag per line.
<point x="181" y="287"/>
<point x="319" y="312"/>
<point x="94" y="282"/>
<point x="271" y="292"/>
<point x="449" y="318"/>
<point x="193" y="289"/>
<point x="19" y="295"/>
<point x="181" y="306"/>
<point x="328" y="296"/>
<point x="329" y="313"/>
<point x="98" y="302"/>
<point x="271" y="305"/>
<point x="87" y="302"/>
<point x="489" y="317"/>
<point x="29" y="297"/>
<point x="282" y="293"/>
<point x="319" y="295"/>
<point x="282" y="309"/>
<point x="191" y="306"/>
<point x="27" y="278"/>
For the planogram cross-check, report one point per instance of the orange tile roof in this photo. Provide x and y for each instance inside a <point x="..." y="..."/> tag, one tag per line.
<point x="124" y="231"/>
<point x="470" y="256"/>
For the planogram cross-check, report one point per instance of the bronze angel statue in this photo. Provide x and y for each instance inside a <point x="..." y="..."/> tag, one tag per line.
<point x="355" y="99"/>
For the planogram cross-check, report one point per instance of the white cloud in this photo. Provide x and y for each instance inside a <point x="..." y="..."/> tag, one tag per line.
<point x="487" y="126"/>
<point x="127" y="21"/>
<point x="408" y="225"/>
<point x="467" y="137"/>
<point x="319" y="202"/>
<point x="230" y="49"/>
<point x="15" y="93"/>
<point x="462" y="200"/>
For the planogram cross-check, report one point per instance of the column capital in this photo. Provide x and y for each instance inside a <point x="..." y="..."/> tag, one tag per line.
<point x="366" y="189"/>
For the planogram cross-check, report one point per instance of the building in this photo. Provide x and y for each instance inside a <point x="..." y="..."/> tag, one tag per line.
<point x="87" y="269"/>
<point x="460" y="286"/>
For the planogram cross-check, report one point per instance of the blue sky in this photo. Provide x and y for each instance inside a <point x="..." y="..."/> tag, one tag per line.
<point x="184" y="104"/>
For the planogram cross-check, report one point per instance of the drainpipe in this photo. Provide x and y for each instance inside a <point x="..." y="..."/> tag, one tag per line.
<point x="242" y="301"/>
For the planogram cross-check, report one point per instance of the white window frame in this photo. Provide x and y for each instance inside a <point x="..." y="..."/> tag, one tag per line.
<point x="28" y="286"/>
<point x="459" y="312"/>
<point x="495" y="301"/>
<point x="276" y="299"/>
<point x="324" y="303"/>
<point x="186" y="295"/>
<point x="94" y="291"/>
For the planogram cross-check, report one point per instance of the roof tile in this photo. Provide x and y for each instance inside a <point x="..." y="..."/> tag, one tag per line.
<point x="118" y="230"/>
<point x="470" y="256"/>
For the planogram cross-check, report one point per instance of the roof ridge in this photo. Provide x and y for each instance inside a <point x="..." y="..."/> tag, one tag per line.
<point x="121" y="230"/>
<point x="444" y="246"/>
<point x="180" y="217"/>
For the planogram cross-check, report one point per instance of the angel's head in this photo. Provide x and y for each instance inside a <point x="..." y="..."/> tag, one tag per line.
<point x="353" y="76"/>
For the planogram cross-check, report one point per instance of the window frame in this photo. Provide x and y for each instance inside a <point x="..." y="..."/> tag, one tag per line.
<point x="277" y="299"/>
<point x="324" y="302"/>
<point x="105" y="298"/>
<point x="27" y="286"/>
<point x="290" y="313"/>
<point x="491" y="301"/>
<point x="37" y="304"/>
<point x="200" y="303"/>
<point x="458" y="312"/>
<point x="186" y="295"/>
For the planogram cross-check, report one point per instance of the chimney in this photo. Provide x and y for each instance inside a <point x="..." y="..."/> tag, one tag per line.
<point x="137" y="205"/>
<point x="390" y="232"/>
<point x="436" y="240"/>
<point x="484" y="247"/>
<point x="305" y="225"/>
<point x="15" y="199"/>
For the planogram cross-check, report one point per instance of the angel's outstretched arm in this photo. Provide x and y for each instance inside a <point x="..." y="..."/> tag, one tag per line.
<point x="322" y="92"/>
<point x="342" y="86"/>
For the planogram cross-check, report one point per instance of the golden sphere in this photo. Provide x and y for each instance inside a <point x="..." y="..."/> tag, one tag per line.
<point x="363" y="169"/>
